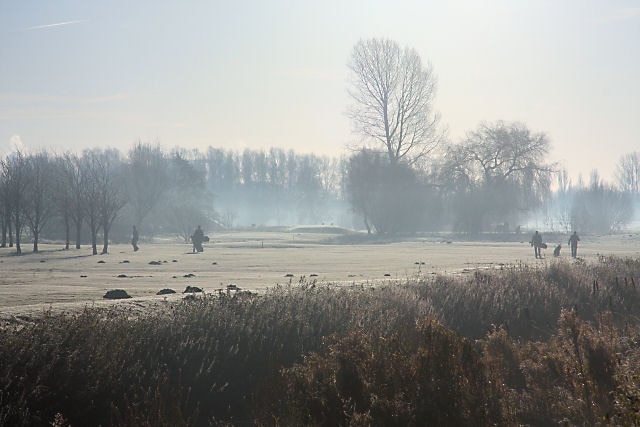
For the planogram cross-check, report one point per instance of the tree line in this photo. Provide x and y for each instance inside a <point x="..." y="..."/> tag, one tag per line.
<point x="490" y="180"/>
<point x="79" y="197"/>
<point x="99" y="194"/>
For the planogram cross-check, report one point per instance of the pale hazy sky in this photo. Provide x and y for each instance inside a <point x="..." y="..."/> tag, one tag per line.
<point x="258" y="74"/>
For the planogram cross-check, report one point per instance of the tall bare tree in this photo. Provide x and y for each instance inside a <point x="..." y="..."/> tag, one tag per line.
<point x="393" y="94"/>
<point x="628" y="172"/>
<point x="38" y="202"/>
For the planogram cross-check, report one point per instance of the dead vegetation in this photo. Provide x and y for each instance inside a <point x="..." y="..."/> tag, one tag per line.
<point x="544" y="345"/>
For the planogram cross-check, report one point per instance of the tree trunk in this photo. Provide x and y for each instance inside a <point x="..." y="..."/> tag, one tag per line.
<point x="78" y="233"/>
<point x="18" y="225"/>
<point x="94" y="236"/>
<point x="94" y="241"/>
<point x="105" y="236"/>
<point x="36" y="233"/>
<point x="366" y="224"/>
<point x="4" y="234"/>
<point x="67" y="232"/>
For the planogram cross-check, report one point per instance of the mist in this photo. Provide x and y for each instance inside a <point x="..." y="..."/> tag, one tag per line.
<point x="98" y="195"/>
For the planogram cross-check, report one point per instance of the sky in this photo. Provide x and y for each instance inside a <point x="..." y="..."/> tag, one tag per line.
<point x="256" y="74"/>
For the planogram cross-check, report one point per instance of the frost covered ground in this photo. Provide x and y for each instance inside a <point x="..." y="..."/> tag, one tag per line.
<point x="58" y="280"/>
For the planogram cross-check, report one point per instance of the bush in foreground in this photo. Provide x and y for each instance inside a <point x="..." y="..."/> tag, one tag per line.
<point x="442" y="351"/>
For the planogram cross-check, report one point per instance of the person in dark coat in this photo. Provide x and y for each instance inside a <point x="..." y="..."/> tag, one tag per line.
<point x="536" y="242"/>
<point x="573" y="242"/>
<point x="197" y="239"/>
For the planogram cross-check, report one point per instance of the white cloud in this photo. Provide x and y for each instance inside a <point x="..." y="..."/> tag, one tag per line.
<point x="19" y="98"/>
<point x="57" y="24"/>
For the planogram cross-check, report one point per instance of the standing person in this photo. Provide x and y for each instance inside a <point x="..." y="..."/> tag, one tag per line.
<point x="197" y="239"/>
<point x="536" y="242"/>
<point x="573" y="242"/>
<point x="134" y="239"/>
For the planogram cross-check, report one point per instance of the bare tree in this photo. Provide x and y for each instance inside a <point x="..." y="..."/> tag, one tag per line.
<point x="393" y="93"/>
<point x="628" y="172"/>
<point x="147" y="179"/>
<point x="563" y="200"/>
<point x="505" y="163"/>
<point x="5" y="210"/>
<point x="91" y="196"/>
<point x="187" y="203"/>
<point x="70" y="182"/>
<point x="15" y="179"/>
<point x="103" y="192"/>
<point x="38" y="203"/>
<point x="600" y="207"/>
<point x="510" y="151"/>
<point x="112" y="193"/>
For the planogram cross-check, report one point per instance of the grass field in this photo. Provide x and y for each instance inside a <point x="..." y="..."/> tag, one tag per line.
<point x="58" y="280"/>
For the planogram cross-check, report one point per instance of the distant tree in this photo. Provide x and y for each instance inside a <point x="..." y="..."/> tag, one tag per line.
<point x="223" y="180"/>
<point x="5" y="210"/>
<point x="70" y="183"/>
<point x="308" y="191"/>
<point x="360" y="187"/>
<point x="113" y="195"/>
<point x="278" y="192"/>
<point x="389" y="196"/>
<point x="61" y="198"/>
<point x="223" y="171"/>
<point x="39" y="204"/>
<point x="600" y="208"/>
<point x="147" y="179"/>
<point x="277" y="160"/>
<point x="461" y="189"/>
<point x="628" y="172"/>
<point x="91" y="196"/>
<point x="187" y="203"/>
<point x="247" y="169"/>
<point x="103" y="191"/>
<point x="393" y="94"/>
<point x="330" y="188"/>
<point x="562" y="203"/>
<point x="15" y="180"/>
<point x="504" y="170"/>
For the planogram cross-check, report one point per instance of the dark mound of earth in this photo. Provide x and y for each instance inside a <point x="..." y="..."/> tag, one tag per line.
<point x="116" y="294"/>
